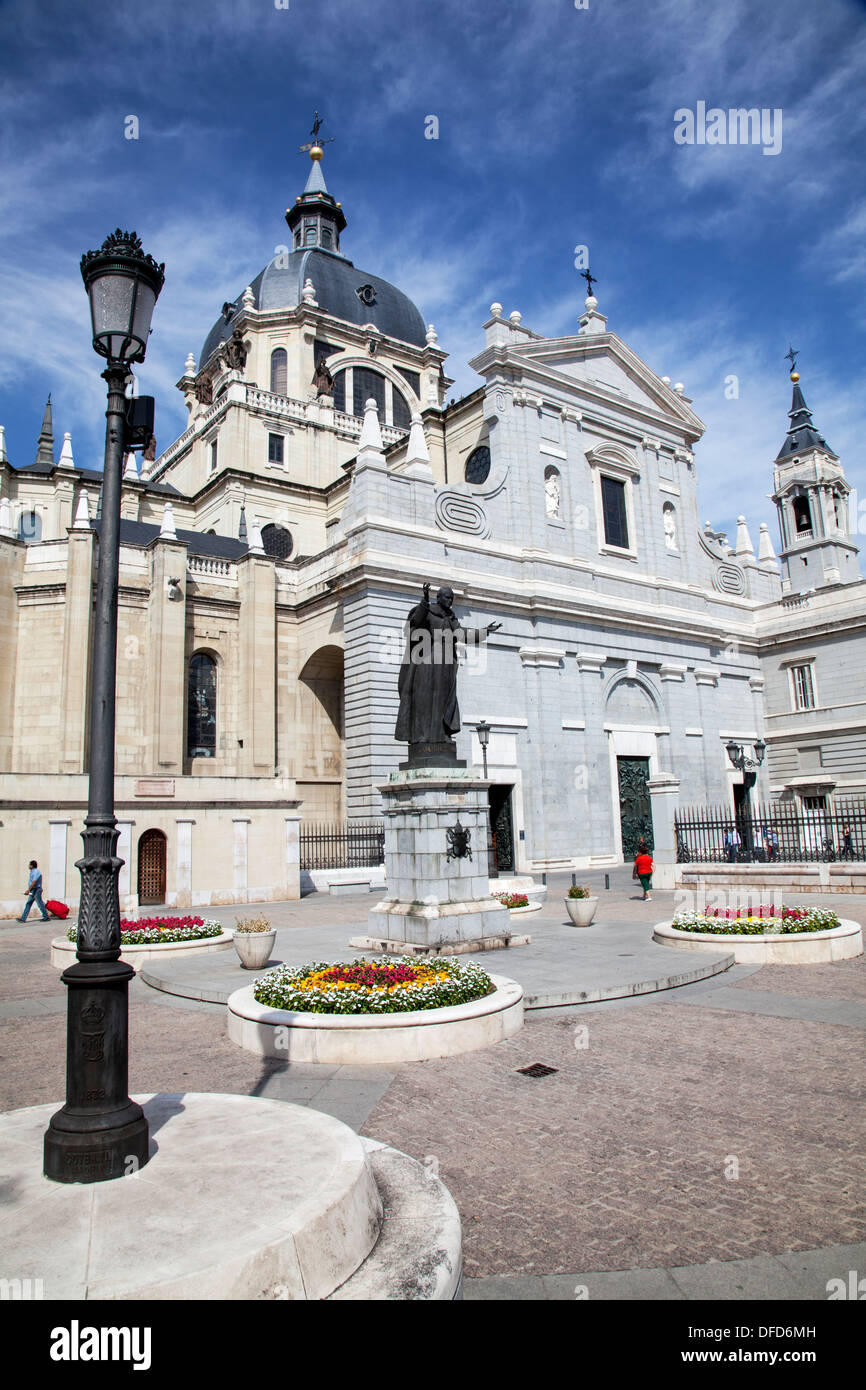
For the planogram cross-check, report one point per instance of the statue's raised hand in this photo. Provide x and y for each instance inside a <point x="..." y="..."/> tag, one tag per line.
<point x="426" y="593"/>
<point x="493" y="627"/>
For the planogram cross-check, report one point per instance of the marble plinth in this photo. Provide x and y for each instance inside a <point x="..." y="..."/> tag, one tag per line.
<point x="437" y="897"/>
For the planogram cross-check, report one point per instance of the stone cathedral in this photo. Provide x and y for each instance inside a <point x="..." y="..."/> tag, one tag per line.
<point x="271" y="553"/>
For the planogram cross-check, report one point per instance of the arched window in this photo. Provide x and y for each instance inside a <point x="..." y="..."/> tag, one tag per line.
<point x="201" y="712"/>
<point x="368" y="385"/>
<point x="802" y="515"/>
<point x="30" y="528"/>
<point x="277" y="542"/>
<point x="279" y="370"/>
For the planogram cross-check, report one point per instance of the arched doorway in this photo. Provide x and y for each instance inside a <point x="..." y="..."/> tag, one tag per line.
<point x="151" y="867"/>
<point x="318" y="735"/>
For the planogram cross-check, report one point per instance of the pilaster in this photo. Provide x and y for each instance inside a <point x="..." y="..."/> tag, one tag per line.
<point x="166" y="635"/>
<point x="257" y="667"/>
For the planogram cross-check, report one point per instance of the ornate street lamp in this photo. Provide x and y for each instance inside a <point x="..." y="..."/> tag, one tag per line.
<point x="100" y="1133"/>
<point x="749" y="768"/>
<point x="482" y="729"/>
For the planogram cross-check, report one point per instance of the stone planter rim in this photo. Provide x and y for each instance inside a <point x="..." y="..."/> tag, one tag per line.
<point x="504" y="996"/>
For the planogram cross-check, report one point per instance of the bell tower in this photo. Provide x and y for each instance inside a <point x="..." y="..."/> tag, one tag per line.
<point x="811" y="497"/>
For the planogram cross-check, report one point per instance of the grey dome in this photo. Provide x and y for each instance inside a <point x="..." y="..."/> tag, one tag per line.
<point x="280" y="286"/>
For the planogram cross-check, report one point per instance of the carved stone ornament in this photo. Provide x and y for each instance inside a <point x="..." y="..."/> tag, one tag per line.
<point x="459" y="837"/>
<point x="203" y="390"/>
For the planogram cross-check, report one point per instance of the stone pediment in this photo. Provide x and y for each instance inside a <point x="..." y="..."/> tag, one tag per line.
<point x="607" y="366"/>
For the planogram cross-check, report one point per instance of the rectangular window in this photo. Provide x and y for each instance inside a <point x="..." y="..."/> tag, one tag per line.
<point x="804" y="689"/>
<point x="275" y="448"/>
<point x="614" y="512"/>
<point x="213" y="456"/>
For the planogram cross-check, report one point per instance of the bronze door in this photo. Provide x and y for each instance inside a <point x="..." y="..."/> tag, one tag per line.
<point x="635" y="812"/>
<point x="151" y="867"/>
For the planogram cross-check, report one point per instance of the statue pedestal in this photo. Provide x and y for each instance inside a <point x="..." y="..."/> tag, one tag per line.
<point x="438" y="895"/>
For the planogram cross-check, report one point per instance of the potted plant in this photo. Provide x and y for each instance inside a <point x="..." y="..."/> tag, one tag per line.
<point x="581" y="906"/>
<point x="254" y="940"/>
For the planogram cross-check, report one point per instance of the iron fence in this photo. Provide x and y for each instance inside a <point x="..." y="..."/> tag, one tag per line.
<point x="352" y="845"/>
<point x="773" y="832"/>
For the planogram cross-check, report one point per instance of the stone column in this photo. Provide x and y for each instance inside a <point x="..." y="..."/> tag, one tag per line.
<point x="165" y="657"/>
<point x="664" y="790"/>
<point x="184" y="862"/>
<point x="257" y="667"/>
<point x="75" y="661"/>
<point x="59" y="835"/>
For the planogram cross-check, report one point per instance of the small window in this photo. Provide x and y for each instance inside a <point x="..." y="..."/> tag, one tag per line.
<point x="201" y="713"/>
<point x="310" y="233"/>
<point x="30" y="528"/>
<point x="213" y="456"/>
<point x="275" y="448"/>
<point x="339" y="392"/>
<point x="279" y="369"/>
<point x="614" y="512"/>
<point x="326" y="237"/>
<point x="478" y="465"/>
<point x="277" y="542"/>
<point x="804" y="687"/>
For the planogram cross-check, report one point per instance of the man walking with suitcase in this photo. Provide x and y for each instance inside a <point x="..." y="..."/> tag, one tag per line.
<point x="34" y="893"/>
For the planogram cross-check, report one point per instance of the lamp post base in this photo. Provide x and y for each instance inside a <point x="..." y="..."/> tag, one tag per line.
<point x="100" y="1133"/>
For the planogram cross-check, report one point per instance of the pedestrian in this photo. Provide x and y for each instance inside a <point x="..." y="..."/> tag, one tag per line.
<point x="34" y="893"/>
<point x="732" y="845"/>
<point x="847" y="845"/>
<point x="643" y="869"/>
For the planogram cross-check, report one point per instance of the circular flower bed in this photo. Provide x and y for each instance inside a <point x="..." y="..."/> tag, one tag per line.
<point x="156" y="931"/>
<point x="512" y="900"/>
<point x="397" y="984"/>
<point x="766" y="921"/>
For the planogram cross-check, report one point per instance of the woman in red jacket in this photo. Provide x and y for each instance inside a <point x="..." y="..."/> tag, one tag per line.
<point x="643" y="868"/>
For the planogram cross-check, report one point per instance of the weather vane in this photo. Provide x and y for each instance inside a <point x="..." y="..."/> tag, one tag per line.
<point x="791" y="356"/>
<point x="590" y="281"/>
<point x="316" y="142"/>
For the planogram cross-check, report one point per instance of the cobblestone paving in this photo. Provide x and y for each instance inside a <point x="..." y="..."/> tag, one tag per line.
<point x="618" y="1161"/>
<point x="844" y="979"/>
<point x="615" y="1162"/>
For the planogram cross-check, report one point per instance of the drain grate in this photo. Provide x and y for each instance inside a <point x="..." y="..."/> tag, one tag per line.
<point x="537" y="1069"/>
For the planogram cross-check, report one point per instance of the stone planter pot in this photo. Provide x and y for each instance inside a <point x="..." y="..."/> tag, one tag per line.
<point x="254" y="948"/>
<point x="581" y="910"/>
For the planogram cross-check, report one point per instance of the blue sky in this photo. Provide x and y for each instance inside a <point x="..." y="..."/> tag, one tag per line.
<point x="556" y="129"/>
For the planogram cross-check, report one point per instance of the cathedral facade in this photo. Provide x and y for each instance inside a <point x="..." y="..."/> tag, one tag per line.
<point x="271" y="554"/>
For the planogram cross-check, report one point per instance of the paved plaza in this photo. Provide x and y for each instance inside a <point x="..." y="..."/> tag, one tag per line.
<point x="697" y="1142"/>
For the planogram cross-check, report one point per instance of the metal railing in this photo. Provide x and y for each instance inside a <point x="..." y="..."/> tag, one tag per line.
<point x="357" y="845"/>
<point x="773" y="832"/>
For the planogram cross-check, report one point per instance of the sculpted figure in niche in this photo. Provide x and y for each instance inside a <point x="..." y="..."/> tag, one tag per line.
<point x="204" y="390"/>
<point x="552" y="495"/>
<point x="670" y="524"/>
<point x="429" y="715"/>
